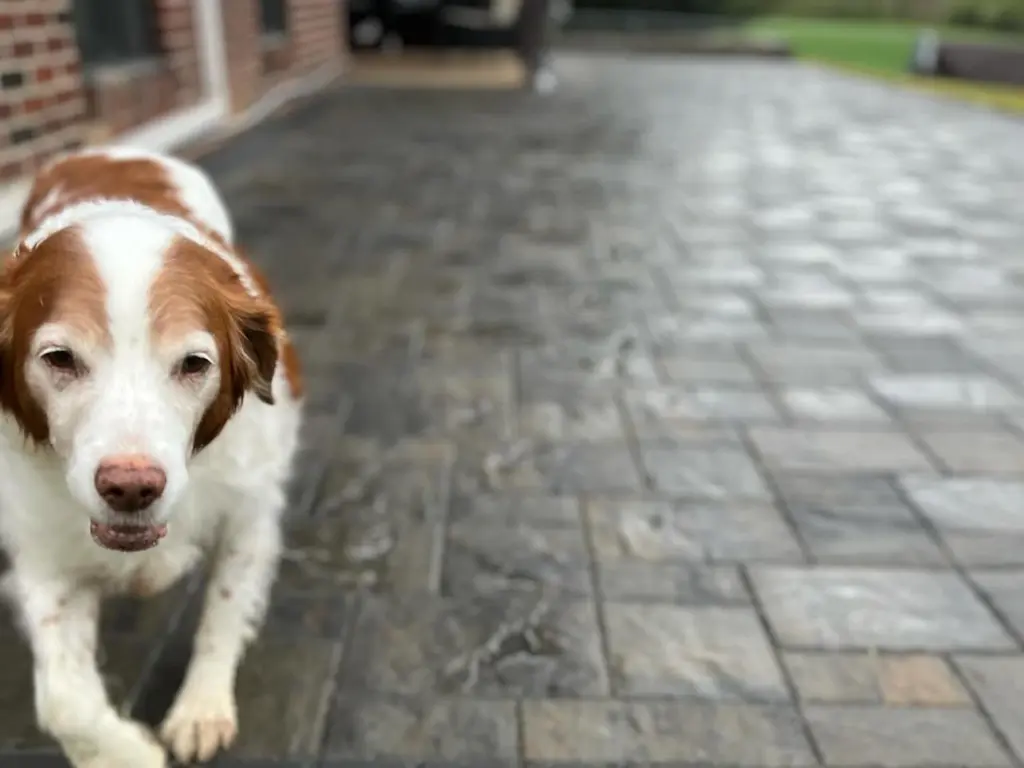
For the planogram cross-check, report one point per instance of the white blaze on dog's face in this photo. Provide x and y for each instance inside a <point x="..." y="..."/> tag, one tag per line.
<point x="127" y="349"/>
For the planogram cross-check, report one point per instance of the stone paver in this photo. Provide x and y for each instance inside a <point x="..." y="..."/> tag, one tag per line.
<point x="674" y="418"/>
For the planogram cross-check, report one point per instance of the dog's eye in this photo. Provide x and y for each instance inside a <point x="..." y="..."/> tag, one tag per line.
<point x="193" y="365"/>
<point x="61" y="360"/>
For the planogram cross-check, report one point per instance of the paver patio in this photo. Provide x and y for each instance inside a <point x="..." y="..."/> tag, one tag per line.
<point x="676" y="417"/>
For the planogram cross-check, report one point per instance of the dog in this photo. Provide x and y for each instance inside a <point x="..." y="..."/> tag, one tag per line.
<point x="150" y="408"/>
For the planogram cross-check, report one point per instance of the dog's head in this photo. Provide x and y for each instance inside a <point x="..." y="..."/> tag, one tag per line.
<point x="125" y="348"/>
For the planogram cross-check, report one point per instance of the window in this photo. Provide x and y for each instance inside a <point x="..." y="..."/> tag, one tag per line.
<point x="115" y="31"/>
<point x="273" y="17"/>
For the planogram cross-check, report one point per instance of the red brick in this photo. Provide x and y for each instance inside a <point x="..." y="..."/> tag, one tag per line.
<point x="56" y="44"/>
<point x="34" y="105"/>
<point x="6" y="21"/>
<point x="44" y="74"/>
<point x="35" y="19"/>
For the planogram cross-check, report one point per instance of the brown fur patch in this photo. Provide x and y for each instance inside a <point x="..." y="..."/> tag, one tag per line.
<point x="289" y="355"/>
<point x="80" y="178"/>
<point x="292" y="369"/>
<point x="55" y="282"/>
<point x="198" y="290"/>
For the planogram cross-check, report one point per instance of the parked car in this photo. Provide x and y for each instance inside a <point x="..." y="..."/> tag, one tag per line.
<point x="441" y="23"/>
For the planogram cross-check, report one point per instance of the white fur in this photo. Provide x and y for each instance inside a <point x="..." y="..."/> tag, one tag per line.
<point x="224" y="503"/>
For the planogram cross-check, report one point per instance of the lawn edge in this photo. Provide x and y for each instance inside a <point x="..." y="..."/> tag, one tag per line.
<point x="1005" y="99"/>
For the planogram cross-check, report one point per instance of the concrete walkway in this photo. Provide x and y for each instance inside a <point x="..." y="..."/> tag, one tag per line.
<point x="675" y="417"/>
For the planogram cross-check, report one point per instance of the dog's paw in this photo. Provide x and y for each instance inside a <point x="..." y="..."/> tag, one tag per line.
<point x="202" y="722"/>
<point x="124" y="745"/>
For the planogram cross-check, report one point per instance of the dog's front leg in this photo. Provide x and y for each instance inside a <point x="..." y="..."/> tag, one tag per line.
<point x="70" y="698"/>
<point x="204" y="719"/>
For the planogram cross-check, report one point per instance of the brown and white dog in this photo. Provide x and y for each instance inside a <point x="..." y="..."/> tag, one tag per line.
<point x="150" y="405"/>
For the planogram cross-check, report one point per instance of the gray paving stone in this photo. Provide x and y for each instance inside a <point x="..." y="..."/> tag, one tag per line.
<point x="706" y="369"/>
<point x="979" y="504"/>
<point x="642" y="581"/>
<point x="831" y="404"/>
<point x="1006" y="591"/>
<point x="985" y="549"/>
<point x="811" y="325"/>
<point x="865" y="535"/>
<point x="803" y="297"/>
<point x="540" y="511"/>
<point x="911" y="322"/>
<point x="837" y="608"/>
<point x="998" y="682"/>
<point x="967" y="393"/>
<point x="495" y="644"/>
<point x="671" y="333"/>
<point x="810" y="364"/>
<point x="593" y="417"/>
<point x="716" y="653"/>
<point x="314" y="614"/>
<point x="481" y="558"/>
<point x="795" y="450"/>
<point x="472" y="732"/>
<point x="863" y="491"/>
<point x="587" y="467"/>
<point x="903" y="737"/>
<point x="561" y="405"/>
<point x="923" y="356"/>
<point x="689" y="532"/>
<point x="697" y="404"/>
<point x="702" y="472"/>
<point x="872" y="678"/>
<point x="282" y="689"/>
<point x="979" y="452"/>
<point x="664" y="731"/>
<point x="377" y="520"/>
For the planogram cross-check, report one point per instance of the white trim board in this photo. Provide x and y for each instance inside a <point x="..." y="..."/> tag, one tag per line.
<point x="212" y="53"/>
<point x="283" y="93"/>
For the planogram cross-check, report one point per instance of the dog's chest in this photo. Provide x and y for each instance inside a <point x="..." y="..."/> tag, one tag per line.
<point x="161" y="571"/>
<point x="140" y="574"/>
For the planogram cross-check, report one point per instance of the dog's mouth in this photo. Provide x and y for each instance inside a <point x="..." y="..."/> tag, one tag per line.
<point x="127" y="538"/>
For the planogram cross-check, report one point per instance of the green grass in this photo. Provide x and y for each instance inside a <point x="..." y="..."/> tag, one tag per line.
<point x="883" y="49"/>
<point x="885" y="46"/>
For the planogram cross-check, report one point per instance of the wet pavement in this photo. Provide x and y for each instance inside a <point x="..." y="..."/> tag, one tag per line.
<point x="674" y="418"/>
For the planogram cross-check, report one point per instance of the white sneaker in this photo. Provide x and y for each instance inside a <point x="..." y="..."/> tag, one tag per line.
<point x="544" y="80"/>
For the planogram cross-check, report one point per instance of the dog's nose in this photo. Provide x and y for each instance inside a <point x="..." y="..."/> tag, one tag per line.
<point x="130" y="483"/>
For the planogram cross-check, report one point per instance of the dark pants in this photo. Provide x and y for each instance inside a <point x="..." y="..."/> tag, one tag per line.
<point x="532" y="38"/>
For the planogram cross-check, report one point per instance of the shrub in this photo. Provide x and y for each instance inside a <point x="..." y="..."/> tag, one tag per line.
<point x="1004" y="15"/>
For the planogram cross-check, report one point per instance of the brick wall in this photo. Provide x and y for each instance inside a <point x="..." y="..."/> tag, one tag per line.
<point x="41" y="100"/>
<point x="47" y="103"/>
<point x="315" y="37"/>
<point x="242" y="45"/>
<point x="317" y="31"/>
<point x="124" y="96"/>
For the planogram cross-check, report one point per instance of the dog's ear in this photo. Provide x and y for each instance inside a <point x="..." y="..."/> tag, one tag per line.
<point x="14" y="396"/>
<point x="254" y="350"/>
<point x="250" y="351"/>
<point x="6" y="336"/>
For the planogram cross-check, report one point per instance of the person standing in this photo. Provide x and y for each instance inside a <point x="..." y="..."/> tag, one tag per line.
<point x="533" y="44"/>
